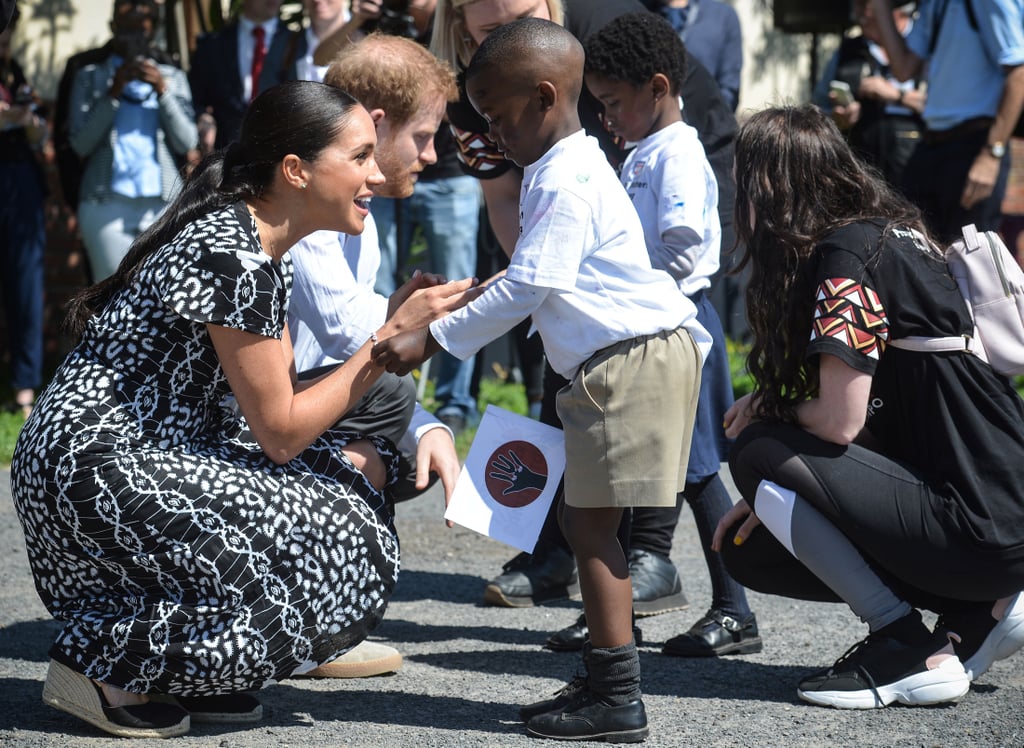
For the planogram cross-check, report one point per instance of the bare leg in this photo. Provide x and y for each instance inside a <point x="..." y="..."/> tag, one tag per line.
<point x="367" y="460"/>
<point x="603" y="573"/>
<point x="118" y="697"/>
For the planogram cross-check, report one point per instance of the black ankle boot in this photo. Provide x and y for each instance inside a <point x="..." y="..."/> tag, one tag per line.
<point x="606" y="706"/>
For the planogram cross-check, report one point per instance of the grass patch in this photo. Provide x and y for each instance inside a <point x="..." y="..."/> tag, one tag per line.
<point x="10" y="425"/>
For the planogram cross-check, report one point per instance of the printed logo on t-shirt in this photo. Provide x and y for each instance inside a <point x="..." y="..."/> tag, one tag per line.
<point x="638" y="167"/>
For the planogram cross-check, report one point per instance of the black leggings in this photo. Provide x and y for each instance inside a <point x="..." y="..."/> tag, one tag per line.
<point x="905" y="529"/>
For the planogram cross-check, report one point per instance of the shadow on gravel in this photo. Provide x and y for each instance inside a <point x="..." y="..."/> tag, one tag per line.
<point x="23" y="704"/>
<point x="723" y="678"/>
<point x="28" y="640"/>
<point x="729" y="679"/>
<point x="414" y="585"/>
<point x="427" y="585"/>
<point x="295" y="707"/>
<point x="400" y="630"/>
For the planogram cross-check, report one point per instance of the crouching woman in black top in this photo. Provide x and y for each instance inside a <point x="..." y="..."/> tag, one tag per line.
<point x="886" y="479"/>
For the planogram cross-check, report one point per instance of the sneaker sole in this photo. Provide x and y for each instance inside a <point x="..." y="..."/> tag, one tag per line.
<point x="1005" y="639"/>
<point x="660" y="605"/>
<point x="494" y="596"/>
<point x="624" y="736"/>
<point x="364" y="669"/>
<point x="946" y="683"/>
<point x="71" y="692"/>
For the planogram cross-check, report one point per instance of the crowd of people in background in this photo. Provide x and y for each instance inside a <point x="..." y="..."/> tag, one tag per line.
<point x="253" y="319"/>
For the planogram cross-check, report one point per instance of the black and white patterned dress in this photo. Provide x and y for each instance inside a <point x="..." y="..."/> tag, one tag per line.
<point x="180" y="557"/>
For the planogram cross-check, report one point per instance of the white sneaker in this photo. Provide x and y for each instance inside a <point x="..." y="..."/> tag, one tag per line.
<point x="362" y="661"/>
<point x="1002" y="641"/>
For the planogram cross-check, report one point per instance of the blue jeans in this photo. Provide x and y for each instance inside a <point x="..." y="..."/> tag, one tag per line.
<point x="22" y="240"/>
<point x="448" y="213"/>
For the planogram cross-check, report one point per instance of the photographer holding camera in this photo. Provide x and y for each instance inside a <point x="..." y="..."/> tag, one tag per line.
<point x="131" y="120"/>
<point x="22" y="236"/>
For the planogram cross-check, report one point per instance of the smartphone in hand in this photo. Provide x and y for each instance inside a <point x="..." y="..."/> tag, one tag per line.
<point x="842" y="92"/>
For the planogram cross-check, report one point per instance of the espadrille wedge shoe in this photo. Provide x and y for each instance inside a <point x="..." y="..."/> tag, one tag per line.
<point x="76" y="694"/>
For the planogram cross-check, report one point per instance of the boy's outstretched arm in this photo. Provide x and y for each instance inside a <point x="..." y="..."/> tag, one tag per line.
<point x="403" y="352"/>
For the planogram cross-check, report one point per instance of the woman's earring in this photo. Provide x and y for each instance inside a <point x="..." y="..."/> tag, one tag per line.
<point x="303" y="186"/>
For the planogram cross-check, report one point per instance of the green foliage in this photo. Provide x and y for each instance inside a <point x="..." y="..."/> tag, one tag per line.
<point x="742" y="382"/>
<point x="10" y="425"/>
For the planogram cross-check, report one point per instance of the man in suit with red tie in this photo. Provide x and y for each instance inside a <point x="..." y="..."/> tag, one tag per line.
<point x="229" y="64"/>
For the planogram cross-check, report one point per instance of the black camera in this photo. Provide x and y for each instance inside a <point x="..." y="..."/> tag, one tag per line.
<point x="24" y="96"/>
<point x="395" y="20"/>
<point x="132" y="45"/>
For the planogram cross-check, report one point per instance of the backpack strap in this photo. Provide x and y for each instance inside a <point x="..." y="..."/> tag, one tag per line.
<point x="960" y="343"/>
<point x="921" y="344"/>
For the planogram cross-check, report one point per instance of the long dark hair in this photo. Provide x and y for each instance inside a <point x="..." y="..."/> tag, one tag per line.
<point x="298" y="117"/>
<point x="797" y="180"/>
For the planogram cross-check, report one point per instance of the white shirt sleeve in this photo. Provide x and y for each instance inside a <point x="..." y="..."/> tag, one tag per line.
<point x="423" y="421"/>
<point x="497" y="310"/>
<point x="332" y="311"/>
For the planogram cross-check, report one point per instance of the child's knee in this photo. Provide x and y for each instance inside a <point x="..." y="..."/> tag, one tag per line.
<point x="583" y="527"/>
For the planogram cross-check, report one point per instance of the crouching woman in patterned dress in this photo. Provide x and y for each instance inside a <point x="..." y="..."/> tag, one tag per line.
<point x="189" y="563"/>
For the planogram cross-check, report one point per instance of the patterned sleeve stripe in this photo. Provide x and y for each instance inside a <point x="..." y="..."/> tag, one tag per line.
<point x="477" y="151"/>
<point x="851" y="313"/>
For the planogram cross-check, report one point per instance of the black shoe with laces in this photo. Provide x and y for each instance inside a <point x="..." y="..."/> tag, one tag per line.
<point x="529" y="580"/>
<point x="716" y="634"/>
<point x="656" y="585"/>
<point x="881" y="669"/>
<point x="560" y="698"/>
<point x="571" y="638"/>
<point x="586" y="716"/>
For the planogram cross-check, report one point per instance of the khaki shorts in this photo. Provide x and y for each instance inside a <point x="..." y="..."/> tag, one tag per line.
<point x="628" y="419"/>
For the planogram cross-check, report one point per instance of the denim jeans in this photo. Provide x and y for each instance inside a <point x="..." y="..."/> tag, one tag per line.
<point x="22" y="241"/>
<point x="447" y="211"/>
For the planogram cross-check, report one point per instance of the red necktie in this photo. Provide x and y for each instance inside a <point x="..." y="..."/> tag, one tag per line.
<point x="258" y="53"/>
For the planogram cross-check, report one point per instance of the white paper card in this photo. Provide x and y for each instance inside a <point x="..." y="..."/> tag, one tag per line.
<point x="509" y="478"/>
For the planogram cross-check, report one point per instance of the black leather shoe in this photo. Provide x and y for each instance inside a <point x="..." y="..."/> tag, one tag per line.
<point x="571" y="638"/>
<point x="716" y="634"/>
<point x="533" y="579"/>
<point x="229" y="708"/>
<point x="656" y="585"/>
<point x="587" y="717"/>
<point x="560" y="699"/>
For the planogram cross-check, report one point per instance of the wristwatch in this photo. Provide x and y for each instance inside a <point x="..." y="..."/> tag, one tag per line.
<point x="997" y="149"/>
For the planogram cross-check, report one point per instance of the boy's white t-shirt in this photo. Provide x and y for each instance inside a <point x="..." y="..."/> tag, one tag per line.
<point x="675" y="193"/>
<point x="580" y="267"/>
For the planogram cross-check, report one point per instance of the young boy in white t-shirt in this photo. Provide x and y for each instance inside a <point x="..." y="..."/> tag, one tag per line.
<point x="614" y="326"/>
<point x="635" y="67"/>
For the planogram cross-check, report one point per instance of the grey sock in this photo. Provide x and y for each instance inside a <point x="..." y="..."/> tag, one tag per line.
<point x="614" y="673"/>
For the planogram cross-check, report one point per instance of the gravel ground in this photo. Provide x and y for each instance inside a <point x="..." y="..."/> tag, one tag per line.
<point x="467" y="668"/>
